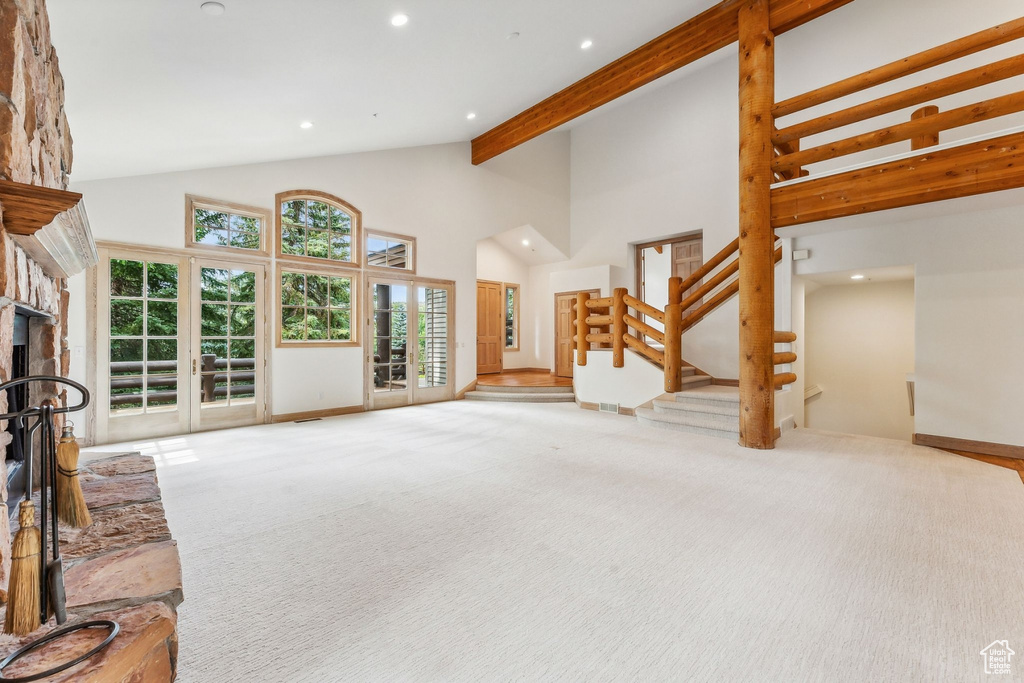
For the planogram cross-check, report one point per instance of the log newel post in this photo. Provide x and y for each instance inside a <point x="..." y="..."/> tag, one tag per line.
<point x="619" y="312"/>
<point x="756" y="241"/>
<point x="582" y="329"/>
<point x="928" y="139"/>
<point x="673" y="336"/>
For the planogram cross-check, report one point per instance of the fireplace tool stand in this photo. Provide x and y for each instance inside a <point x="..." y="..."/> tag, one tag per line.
<point x="51" y="572"/>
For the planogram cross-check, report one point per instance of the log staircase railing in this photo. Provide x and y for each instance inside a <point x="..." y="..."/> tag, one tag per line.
<point x="617" y="321"/>
<point x="924" y="127"/>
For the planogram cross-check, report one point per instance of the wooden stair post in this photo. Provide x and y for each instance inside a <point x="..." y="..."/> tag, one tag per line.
<point x="756" y="241"/>
<point x="582" y="328"/>
<point x="619" y="311"/>
<point x="673" y="336"/>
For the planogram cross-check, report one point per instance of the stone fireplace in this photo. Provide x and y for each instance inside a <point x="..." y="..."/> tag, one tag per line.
<point x="44" y="235"/>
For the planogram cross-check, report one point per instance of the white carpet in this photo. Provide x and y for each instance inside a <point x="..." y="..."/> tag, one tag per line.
<point x="478" y="542"/>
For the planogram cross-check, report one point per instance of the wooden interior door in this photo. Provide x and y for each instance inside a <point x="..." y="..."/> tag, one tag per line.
<point x="687" y="258"/>
<point x="564" y="331"/>
<point x="490" y="327"/>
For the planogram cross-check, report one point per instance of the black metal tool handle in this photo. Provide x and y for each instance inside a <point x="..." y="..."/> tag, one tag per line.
<point x="37" y="410"/>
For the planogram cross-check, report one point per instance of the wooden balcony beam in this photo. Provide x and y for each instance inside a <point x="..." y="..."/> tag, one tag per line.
<point x="700" y="36"/>
<point x="970" y="169"/>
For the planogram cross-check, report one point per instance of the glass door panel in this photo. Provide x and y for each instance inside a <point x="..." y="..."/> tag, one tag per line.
<point x="433" y="332"/>
<point x="391" y="359"/>
<point x="140" y="320"/>
<point x="228" y="345"/>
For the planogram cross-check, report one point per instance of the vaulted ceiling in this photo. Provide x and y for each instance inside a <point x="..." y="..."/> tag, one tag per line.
<point x="156" y="86"/>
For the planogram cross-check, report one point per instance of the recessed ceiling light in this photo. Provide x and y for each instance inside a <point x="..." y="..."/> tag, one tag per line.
<point x="857" y="277"/>
<point x="399" y="20"/>
<point x="526" y="243"/>
<point x="585" y="45"/>
<point x="471" y="115"/>
<point x="214" y="9"/>
<point x="306" y="124"/>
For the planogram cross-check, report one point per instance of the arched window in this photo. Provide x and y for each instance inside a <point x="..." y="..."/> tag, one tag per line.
<point x="316" y="226"/>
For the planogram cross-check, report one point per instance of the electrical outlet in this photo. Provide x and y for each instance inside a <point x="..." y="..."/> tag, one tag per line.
<point x="319" y="395"/>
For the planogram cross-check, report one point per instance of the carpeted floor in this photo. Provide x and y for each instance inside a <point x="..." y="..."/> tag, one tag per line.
<point x="478" y="542"/>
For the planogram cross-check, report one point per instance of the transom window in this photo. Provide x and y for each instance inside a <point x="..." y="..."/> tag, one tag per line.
<point x="222" y="225"/>
<point x="316" y="307"/>
<point x="387" y="250"/>
<point x="315" y="225"/>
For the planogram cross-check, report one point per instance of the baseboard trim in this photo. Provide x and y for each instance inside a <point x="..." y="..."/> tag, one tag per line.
<point x="468" y="388"/>
<point x="716" y="382"/>
<point x="508" y="370"/>
<point x="313" y="414"/>
<point x="949" y="443"/>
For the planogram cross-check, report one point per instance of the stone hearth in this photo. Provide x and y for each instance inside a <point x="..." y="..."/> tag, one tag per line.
<point x="124" y="567"/>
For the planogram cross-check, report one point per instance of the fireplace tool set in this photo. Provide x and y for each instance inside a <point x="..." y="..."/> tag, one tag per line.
<point x="36" y="588"/>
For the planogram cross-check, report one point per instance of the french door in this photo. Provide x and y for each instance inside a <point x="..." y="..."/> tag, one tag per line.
<point x="228" y="344"/>
<point x="410" y="333"/>
<point x="180" y="344"/>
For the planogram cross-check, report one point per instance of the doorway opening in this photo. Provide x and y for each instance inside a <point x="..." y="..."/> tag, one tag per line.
<point x="659" y="260"/>
<point x="858" y="348"/>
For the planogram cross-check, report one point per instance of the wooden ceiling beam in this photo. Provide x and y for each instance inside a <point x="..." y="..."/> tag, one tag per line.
<point x="970" y="169"/>
<point x="685" y="44"/>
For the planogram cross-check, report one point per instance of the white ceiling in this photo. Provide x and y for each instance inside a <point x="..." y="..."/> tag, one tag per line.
<point x="886" y="274"/>
<point x="159" y="85"/>
<point x="537" y="251"/>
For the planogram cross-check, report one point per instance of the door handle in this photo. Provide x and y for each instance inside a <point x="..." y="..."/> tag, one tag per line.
<point x="193" y="366"/>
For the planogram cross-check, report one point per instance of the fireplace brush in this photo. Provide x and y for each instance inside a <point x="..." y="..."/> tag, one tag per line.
<point x="37" y="586"/>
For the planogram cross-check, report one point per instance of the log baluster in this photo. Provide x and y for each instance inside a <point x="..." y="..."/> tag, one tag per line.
<point x="581" y="328"/>
<point x="619" y="312"/>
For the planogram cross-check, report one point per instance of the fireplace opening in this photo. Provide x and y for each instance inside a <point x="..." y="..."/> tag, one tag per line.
<point x="17" y="399"/>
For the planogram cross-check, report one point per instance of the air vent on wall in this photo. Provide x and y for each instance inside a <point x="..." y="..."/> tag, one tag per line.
<point x="609" y="408"/>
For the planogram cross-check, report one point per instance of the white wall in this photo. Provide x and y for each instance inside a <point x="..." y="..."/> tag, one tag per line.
<point x="494" y="262"/>
<point x="432" y="193"/>
<point x="632" y="385"/>
<point x="969" y="289"/>
<point x="859" y="349"/>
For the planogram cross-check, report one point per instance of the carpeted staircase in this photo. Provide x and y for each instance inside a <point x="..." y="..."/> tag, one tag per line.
<point x="700" y="408"/>
<point x="523" y="394"/>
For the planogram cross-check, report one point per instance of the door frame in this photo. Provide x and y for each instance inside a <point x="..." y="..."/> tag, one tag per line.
<point x="97" y="427"/>
<point x="554" y="359"/>
<point x="638" y="255"/>
<point x="413" y="283"/>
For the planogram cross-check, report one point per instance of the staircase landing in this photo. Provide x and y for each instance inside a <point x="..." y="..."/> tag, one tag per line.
<point x="524" y="386"/>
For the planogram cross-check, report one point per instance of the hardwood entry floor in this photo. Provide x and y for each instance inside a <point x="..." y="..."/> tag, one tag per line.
<point x="523" y="378"/>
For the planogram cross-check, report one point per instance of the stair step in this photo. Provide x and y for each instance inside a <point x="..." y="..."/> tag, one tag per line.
<point x="715" y="396"/>
<point x="720" y="408"/>
<point x="522" y="389"/>
<point x="685" y="422"/>
<point x="521" y="397"/>
<point x="693" y="380"/>
<point x="688" y="370"/>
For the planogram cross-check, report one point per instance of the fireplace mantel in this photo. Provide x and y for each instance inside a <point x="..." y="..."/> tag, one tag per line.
<point x="50" y="225"/>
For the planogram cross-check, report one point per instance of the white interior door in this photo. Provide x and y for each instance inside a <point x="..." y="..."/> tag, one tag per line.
<point x="228" y="345"/>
